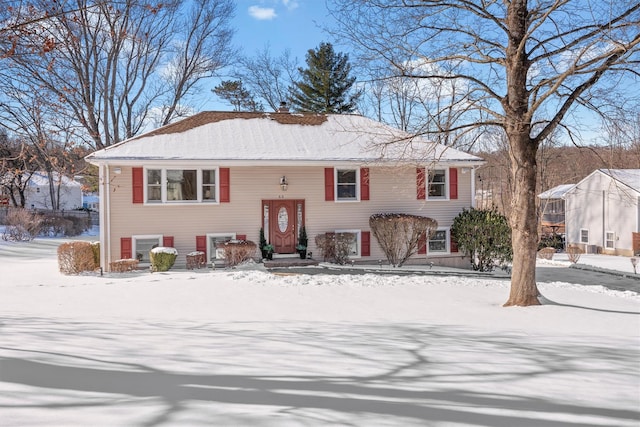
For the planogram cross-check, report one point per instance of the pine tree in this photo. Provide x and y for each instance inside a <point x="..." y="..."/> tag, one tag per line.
<point x="233" y="92"/>
<point x="326" y="85"/>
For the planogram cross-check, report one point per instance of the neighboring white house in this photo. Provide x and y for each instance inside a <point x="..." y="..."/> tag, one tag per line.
<point x="602" y="212"/>
<point x="38" y="196"/>
<point x="553" y="208"/>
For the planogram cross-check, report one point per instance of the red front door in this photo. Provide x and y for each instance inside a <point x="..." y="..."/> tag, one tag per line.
<point x="282" y="226"/>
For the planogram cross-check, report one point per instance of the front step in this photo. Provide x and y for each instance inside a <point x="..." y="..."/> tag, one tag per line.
<point x="288" y="262"/>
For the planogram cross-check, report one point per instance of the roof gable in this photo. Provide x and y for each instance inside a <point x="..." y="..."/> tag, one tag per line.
<point x="279" y="137"/>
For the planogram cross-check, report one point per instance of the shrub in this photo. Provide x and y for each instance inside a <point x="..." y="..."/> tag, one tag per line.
<point x="399" y="235"/>
<point x="76" y="257"/>
<point x="484" y="236"/>
<point x="335" y="247"/>
<point x="546" y="253"/>
<point x="95" y="247"/>
<point x="162" y="258"/>
<point x="22" y="225"/>
<point x="555" y="241"/>
<point x="56" y="224"/>
<point x="238" y="251"/>
<point x="574" y="252"/>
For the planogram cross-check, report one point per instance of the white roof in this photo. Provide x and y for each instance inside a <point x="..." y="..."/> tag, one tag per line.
<point x="556" y="192"/>
<point x="279" y="137"/>
<point x="42" y="179"/>
<point x="629" y="177"/>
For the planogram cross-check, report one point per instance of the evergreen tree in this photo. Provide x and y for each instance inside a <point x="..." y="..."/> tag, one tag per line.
<point x="240" y="98"/>
<point x="326" y="85"/>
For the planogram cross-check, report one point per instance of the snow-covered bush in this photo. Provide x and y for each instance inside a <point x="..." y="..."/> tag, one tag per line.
<point x="239" y="251"/>
<point x="335" y="247"/>
<point x="399" y="234"/>
<point x="162" y="258"/>
<point x="76" y="257"/>
<point x="21" y="225"/>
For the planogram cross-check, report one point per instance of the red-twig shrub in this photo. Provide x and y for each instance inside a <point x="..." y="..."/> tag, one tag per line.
<point x="238" y="251"/>
<point x="546" y="253"/>
<point x="76" y="257"/>
<point x="399" y="234"/>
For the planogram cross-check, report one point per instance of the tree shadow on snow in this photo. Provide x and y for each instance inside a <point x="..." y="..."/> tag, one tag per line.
<point x="410" y="373"/>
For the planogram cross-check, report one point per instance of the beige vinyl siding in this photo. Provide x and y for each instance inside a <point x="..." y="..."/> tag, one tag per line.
<point x="391" y="190"/>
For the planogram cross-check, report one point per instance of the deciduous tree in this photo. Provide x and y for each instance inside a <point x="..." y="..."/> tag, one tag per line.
<point x="527" y="65"/>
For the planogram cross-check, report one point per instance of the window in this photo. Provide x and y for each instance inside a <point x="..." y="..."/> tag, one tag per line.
<point x="154" y="188"/>
<point x="347" y="184"/>
<point x="438" y="242"/>
<point x="209" y="184"/>
<point x="610" y="238"/>
<point x="181" y="185"/>
<point x="584" y="235"/>
<point x="142" y="245"/>
<point x="437" y="184"/>
<point x="213" y="242"/>
<point x="354" y="245"/>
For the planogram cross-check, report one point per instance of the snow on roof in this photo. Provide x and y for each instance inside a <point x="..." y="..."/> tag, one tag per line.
<point x="237" y="136"/>
<point x="629" y="177"/>
<point x="42" y="179"/>
<point x="556" y="192"/>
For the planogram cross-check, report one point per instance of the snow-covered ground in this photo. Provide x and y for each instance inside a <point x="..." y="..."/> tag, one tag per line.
<point x="250" y="348"/>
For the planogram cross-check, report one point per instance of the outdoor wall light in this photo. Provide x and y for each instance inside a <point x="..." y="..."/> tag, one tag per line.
<point x="117" y="171"/>
<point x="283" y="183"/>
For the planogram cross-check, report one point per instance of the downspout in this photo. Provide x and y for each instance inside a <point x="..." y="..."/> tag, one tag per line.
<point x="604" y="228"/>
<point x="473" y="187"/>
<point x="105" y="222"/>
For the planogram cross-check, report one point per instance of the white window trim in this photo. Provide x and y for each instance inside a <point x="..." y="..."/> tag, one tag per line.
<point x="212" y="251"/>
<point x="446" y="184"/>
<point x="335" y="185"/>
<point x="587" y="230"/>
<point x="163" y="187"/>
<point x="447" y="242"/>
<point x="613" y="240"/>
<point x="137" y="237"/>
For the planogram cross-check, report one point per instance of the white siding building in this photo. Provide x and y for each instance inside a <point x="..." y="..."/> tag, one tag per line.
<point x="603" y="211"/>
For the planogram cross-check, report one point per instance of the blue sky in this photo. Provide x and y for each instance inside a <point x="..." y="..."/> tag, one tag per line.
<point x="283" y="24"/>
<point x="279" y="24"/>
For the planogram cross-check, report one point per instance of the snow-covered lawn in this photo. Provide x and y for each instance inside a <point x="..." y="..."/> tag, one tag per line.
<point x="249" y="348"/>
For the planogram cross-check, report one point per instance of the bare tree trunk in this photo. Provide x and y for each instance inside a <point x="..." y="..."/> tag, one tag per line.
<point x="524" y="222"/>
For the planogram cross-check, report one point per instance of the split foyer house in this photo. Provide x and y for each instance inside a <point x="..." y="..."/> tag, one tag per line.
<point x="218" y="176"/>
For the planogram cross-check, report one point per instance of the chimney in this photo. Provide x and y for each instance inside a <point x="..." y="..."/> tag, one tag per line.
<point x="283" y="108"/>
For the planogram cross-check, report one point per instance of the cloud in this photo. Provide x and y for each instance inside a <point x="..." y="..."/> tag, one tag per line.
<point x="290" y="4"/>
<point x="262" y="13"/>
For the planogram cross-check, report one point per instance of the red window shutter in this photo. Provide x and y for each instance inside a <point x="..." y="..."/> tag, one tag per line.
<point x="365" y="243"/>
<point x="137" y="185"/>
<point x="126" y="248"/>
<point x="225" y="185"/>
<point x="453" y="244"/>
<point x="241" y="237"/>
<point x="167" y="241"/>
<point x="420" y="182"/>
<point x="364" y="183"/>
<point x="328" y="184"/>
<point x="201" y="244"/>
<point x="422" y="244"/>
<point x="453" y="183"/>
